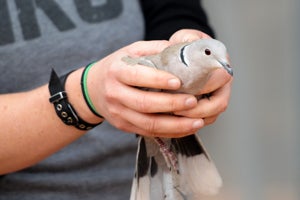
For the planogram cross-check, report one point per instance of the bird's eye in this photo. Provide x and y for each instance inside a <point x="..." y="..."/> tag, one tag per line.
<point x="207" y="52"/>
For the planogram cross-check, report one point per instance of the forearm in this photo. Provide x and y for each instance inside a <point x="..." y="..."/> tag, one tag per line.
<point x="30" y="128"/>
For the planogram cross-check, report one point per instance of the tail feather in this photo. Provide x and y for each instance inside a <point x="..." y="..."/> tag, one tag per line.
<point x="141" y="184"/>
<point x="197" y="174"/>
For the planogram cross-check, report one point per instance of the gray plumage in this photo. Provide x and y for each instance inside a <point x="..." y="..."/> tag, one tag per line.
<point x="179" y="169"/>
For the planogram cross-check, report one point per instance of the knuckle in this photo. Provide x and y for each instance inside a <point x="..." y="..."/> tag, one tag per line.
<point x="173" y="105"/>
<point x="110" y="95"/>
<point x="113" y="70"/>
<point x="210" y="120"/>
<point x="113" y="115"/>
<point x="132" y="48"/>
<point x="150" y="126"/>
<point x="142" y="104"/>
<point x="121" y="125"/>
<point x="223" y="106"/>
<point x="204" y="112"/>
<point x="114" y="112"/>
<point x="116" y="120"/>
<point x="130" y="75"/>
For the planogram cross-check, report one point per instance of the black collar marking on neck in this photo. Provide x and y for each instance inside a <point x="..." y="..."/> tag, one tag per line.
<point x="182" y="58"/>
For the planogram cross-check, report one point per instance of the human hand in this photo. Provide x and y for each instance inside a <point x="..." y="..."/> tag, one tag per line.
<point x="219" y="85"/>
<point x="113" y="90"/>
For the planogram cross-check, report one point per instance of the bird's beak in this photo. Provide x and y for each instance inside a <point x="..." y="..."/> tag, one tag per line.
<point x="227" y="67"/>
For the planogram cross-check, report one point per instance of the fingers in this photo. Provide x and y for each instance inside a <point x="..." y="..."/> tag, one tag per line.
<point x="157" y="125"/>
<point x="212" y="107"/>
<point x="154" y="102"/>
<point x="143" y="76"/>
<point x="148" y="77"/>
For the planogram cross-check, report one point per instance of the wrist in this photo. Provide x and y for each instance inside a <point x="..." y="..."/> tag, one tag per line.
<point x="85" y="90"/>
<point x="76" y="97"/>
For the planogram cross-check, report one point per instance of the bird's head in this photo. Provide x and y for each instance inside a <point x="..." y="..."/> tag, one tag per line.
<point x="209" y="54"/>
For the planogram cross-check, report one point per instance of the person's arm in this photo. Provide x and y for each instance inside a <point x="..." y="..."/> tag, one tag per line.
<point x="31" y="130"/>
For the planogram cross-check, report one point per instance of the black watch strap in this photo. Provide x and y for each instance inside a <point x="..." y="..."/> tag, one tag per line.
<point x="63" y="108"/>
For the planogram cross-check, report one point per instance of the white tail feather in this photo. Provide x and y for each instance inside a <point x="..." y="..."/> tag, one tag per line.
<point x="196" y="175"/>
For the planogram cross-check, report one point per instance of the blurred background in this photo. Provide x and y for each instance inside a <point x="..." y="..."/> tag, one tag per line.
<point x="256" y="142"/>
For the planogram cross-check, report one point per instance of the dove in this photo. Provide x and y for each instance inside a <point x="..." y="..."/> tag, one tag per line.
<point x="179" y="168"/>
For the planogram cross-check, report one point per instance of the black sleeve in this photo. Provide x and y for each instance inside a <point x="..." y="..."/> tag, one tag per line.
<point x="164" y="17"/>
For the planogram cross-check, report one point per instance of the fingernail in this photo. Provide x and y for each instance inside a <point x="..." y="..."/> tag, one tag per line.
<point x="191" y="102"/>
<point x="174" y="83"/>
<point x="198" y="124"/>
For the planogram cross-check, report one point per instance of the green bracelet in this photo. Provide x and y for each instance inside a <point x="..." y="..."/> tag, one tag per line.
<point x="85" y="92"/>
